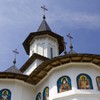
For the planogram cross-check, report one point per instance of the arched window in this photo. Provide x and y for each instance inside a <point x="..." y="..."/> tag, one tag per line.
<point x="5" y="94"/>
<point x="38" y="97"/>
<point x="84" y="82"/>
<point x="64" y="84"/>
<point x="98" y="82"/>
<point x="46" y="93"/>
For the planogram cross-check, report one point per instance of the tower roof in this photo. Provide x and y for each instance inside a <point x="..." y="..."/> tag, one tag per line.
<point x="72" y="52"/>
<point x="13" y="69"/>
<point x="44" y="26"/>
<point x="43" y="29"/>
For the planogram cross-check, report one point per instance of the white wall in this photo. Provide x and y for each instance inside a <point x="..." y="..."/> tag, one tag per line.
<point x="29" y="70"/>
<point x="72" y="70"/>
<point x="23" y="91"/>
<point x="42" y="44"/>
<point x="80" y="97"/>
<point x="19" y="89"/>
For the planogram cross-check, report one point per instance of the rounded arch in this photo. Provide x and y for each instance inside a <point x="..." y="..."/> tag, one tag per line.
<point x="5" y="93"/>
<point x="64" y="84"/>
<point x="84" y="81"/>
<point x="46" y="93"/>
<point x="38" y="96"/>
<point x="98" y="82"/>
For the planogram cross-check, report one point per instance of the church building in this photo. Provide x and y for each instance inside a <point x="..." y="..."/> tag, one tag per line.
<point x="51" y="73"/>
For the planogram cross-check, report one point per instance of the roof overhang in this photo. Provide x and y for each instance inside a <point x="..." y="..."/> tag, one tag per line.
<point x="32" y="35"/>
<point x="42" y="70"/>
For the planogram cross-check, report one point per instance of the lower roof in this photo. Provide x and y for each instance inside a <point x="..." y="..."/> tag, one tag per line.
<point x="41" y="71"/>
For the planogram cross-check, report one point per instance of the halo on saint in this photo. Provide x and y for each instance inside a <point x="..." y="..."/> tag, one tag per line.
<point x="47" y="90"/>
<point x="5" y="92"/>
<point x="81" y="77"/>
<point x="64" y="78"/>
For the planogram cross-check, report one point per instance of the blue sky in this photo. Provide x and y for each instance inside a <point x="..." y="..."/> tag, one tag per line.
<point x="20" y="17"/>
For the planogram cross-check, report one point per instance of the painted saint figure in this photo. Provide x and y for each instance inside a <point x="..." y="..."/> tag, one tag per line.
<point x="83" y="82"/>
<point x="64" y="84"/>
<point x="38" y="97"/>
<point x="98" y="82"/>
<point x="46" y="94"/>
<point x="5" y="94"/>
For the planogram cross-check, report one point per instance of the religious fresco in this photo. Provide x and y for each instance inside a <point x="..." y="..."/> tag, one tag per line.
<point x="5" y="94"/>
<point x="64" y="84"/>
<point x="98" y="82"/>
<point x="38" y="97"/>
<point x="84" y="82"/>
<point x="46" y="93"/>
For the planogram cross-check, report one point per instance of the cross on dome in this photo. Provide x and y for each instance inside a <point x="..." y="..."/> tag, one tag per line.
<point x="44" y="10"/>
<point x="44" y="25"/>
<point x="15" y="53"/>
<point x="70" y="38"/>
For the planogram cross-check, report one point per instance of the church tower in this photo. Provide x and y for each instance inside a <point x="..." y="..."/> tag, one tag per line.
<point x="50" y="75"/>
<point x="41" y="45"/>
<point x="44" y="42"/>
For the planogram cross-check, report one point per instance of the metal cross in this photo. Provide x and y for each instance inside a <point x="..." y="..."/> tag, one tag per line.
<point x="70" y="38"/>
<point x="15" y="52"/>
<point x="44" y="9"/>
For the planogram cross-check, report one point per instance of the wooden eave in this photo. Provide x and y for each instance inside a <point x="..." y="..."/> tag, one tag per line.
<point x="25" y="78"/>
<point x="31" y="36"/>
<point x="42" y="70"/>
<point x="31" y="60"/>
<point x="9" y="75"/>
